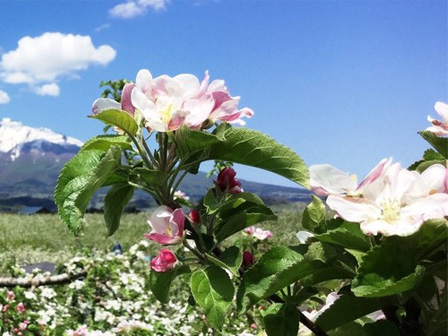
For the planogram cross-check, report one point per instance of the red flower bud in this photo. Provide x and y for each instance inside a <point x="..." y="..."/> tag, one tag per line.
<point x="195" y="216"/>
<point x="164" y="261"/>
<point x="248" y="259"/>
<point x="227" y="182"/>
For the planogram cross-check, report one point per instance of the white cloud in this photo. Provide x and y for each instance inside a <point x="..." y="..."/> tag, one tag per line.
<point x="134" y="8"/>
<point x="41" y="61"/>
<point x="4" y="97"/>
<point x="48" y="90"/>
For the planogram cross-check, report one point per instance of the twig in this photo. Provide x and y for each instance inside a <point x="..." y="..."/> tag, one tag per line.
<point x="46" y="281"/>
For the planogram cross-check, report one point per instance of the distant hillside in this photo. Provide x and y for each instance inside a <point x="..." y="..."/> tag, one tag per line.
<point x="31" y="159"/>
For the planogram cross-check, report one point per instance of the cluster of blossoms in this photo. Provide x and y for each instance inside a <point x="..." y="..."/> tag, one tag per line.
<point x="168" y="225"/>
<point x="14" y="314"/>
<point x="390" y="201"/>
<point x="258" y="233"/>
<point x="166" y="103"/>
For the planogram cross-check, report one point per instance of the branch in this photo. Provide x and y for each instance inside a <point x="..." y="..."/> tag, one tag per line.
<point x="39" y="281"/>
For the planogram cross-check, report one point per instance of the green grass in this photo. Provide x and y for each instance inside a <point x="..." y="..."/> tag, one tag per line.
<point x="35" y="238"/>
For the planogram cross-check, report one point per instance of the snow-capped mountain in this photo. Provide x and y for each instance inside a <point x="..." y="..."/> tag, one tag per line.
<point x="17" y="139"/>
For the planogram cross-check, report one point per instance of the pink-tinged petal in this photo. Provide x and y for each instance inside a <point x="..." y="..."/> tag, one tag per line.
<point x="375" y="173"/>
<point x="189" y="84"/>
<point x="442" y="110"/>
<point x="354" y="209"/>
<point x="144" y="80"/>
<point x="446" y="180"/>
<point x="179" y="219"/>
<point x="437" y="130"/>
<point x="140" y="101"/>
<point x="217" y="85"/>
<point x="204" y="83"/>
<point x="126" y="101"/>
<point x="163" y="238"/>
<point x="104" y="104"/>
<point x="326" y="179"/>
<point x="160" y="218"/>
<point x="434" y="178"/>
<point x="221" y="97"/>
<point x="165" y="85"/>
<point x="165" y="261"/>
<point x="177" y="120"/>
<point x="200" y="109"/>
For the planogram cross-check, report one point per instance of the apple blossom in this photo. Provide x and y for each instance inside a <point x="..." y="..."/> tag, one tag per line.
<point x="167" y="225"/>
<point x="439" y="128"/>
<point x="164" y="261"/>
<point x="258" y="233"/>
<point x="327" y="180"/>
<point x="167" y="103"/>
<point x="226" y="181"/>
<point x="107" y="103"/>
<point x="397" y="206"/>
<point x="303" y="236"/>
<point x="225" y="107"/>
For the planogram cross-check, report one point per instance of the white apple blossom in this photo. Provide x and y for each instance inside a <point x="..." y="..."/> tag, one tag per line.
<point x="399" y="204"/>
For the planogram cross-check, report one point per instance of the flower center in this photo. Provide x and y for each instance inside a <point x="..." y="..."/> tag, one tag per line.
<point x="390" y="210"/>
<point x="165" y="113"/>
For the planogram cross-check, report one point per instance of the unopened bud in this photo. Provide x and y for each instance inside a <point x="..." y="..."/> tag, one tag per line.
<point x="195" y="216"/>
<point x="248" y="259"/>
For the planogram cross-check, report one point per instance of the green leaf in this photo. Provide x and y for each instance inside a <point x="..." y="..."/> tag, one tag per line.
<point x="79" y="180"/>
<point x="253" y="148"/>
<point x="345" y="309"/>
<point x="426" y="164"/>
<point x="121" y="119"/>
<point x="285" y="322"/>
<point x="213" y="291"/>
<point x="276" y="269"/>
<point x="348" y="235"/>
<point x="104" y="142"/>
<point x="313" y="218"/>
<point x="230" y="259"/>
<point x="303" y="294"/>
<point x="151" y="177"/>
<point x="115" y="202"/>
<point x="386" y="270"/>
<point x="382" y="327"/>
<point x="253" y="215"/>
<point x="189" y="141"/>
<point x="160" y="282"/>
<point x="230" y="201"/>
<point x="439" y="144"/>
<point x="431" y="155"/>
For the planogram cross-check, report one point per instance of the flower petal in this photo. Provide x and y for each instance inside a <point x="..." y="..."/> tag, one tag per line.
<point x="354" y="209"/>
<point x="326" y="179"/>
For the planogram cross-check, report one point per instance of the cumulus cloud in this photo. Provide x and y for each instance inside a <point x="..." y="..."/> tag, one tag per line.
<point x="48" y="90"/>
<point x="134" y="8"/>
<point x="42" y="61"/>
<point x="4" y="97"/>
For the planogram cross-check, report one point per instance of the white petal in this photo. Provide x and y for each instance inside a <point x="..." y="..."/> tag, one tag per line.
<point x="144" y="80"/>
<point x="331" y="179"/>
<point x="354" y="209"/>
<point x="104" y="104"/>
<point x="199" y="110"/>
<point x="189" y="84"/>
<point x="303" y="236"/>
<point x="434" y="178"/>
<point x="442" y="109"/>
<point x="160" y="219"/>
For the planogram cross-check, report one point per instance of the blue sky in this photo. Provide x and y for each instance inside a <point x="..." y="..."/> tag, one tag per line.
<point x="341" y="82"/>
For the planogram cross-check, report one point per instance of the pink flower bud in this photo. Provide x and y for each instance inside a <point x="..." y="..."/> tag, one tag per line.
<point x="20" y="307"/>
<point x="195" y="216"/>
<point x="164" y="261"/>
<point x="10" y="295"/>
<point x="167" y="226"/>
<point x="248" y="259"/>
<point x="126" y="103"/>
<point x="5" y="308"/>
<point x="22" y="326"/>
<point x="227" y="182"/>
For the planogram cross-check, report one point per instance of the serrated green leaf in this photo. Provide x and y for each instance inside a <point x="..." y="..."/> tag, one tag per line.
<point x="348" y="235"/>
<point x="121" y="119"/>
<point x="115" y="202"/>
<point x="104" y="142"/>
<point x="189" y="141"/>
<point x="255" y="214"/>
<point x="160" y="282"/>
<point x="285" y="322"/>
<point x="79" y="180"/>
<point x="213" y="291"/>
<point x="313" y="218"/>
<point x="255" y="149"/>
<point x="386" y="270"/>
<point x="230" y="259"/>
<point x="440" y="144"/>
<point x="431" y="155"/>
<point x="345" y="309"/>
<point x="230" y="201"/>
<point x="151" y="177"/>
